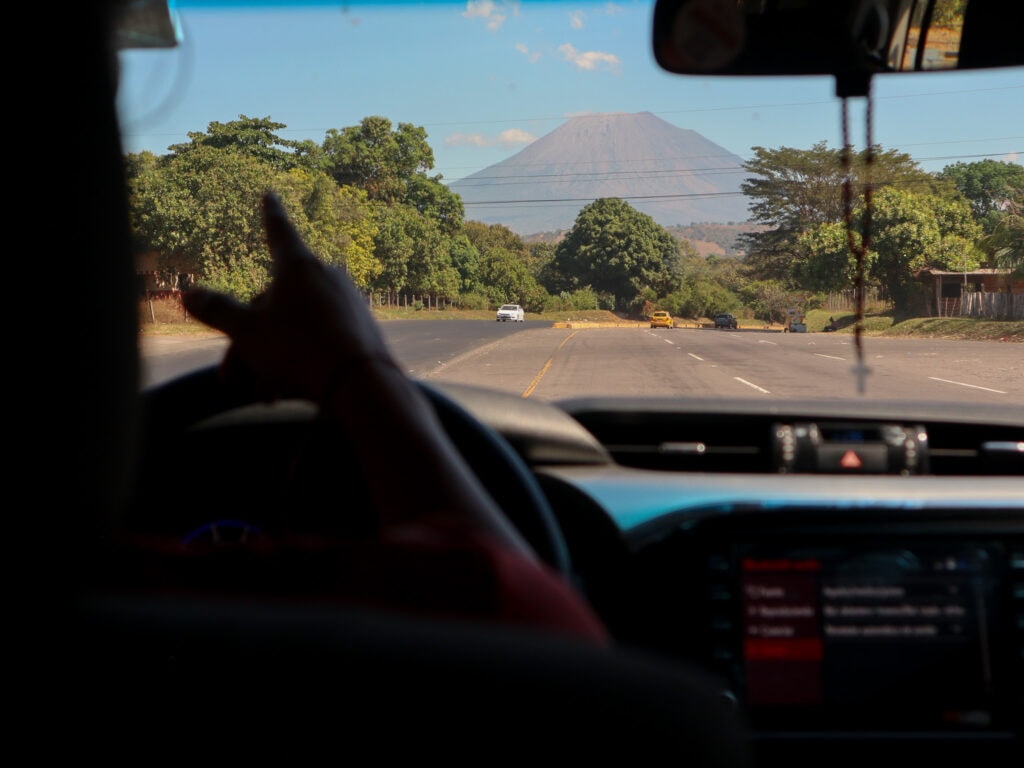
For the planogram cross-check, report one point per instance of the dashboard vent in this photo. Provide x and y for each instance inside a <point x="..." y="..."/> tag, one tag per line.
<point x="662" y="442"/>
<point x="970" y="449"/>
<point x="703" y="442"/>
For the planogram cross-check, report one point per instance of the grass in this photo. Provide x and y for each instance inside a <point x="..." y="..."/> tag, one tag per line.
<point x="881" y="324"/>
<point x="875" y="324"/>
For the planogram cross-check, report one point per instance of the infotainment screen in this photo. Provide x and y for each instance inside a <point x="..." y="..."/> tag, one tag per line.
<point x="861" y="636"/>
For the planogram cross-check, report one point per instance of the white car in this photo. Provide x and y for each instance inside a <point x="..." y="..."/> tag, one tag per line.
<point x="512" y="312"/>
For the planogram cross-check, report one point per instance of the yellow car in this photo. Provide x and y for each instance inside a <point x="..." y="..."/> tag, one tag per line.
<point x="662" y="320"/>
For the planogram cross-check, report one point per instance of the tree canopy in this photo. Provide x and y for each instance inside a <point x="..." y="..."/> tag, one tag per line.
<point x="794" y="191"/>
<point x="991" y="186"/>
<point x="365" y="201"/>
<point x="378" y="159"/>
<point x="615" y="248"/>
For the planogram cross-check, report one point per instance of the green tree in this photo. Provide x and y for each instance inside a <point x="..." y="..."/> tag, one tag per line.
<point x="466" y="260"/>
<point x="433" y="199"/>
<point x="341" y="222"/>
<point x="414" y="254"/>
<point x="910" y="232"/>
<point x="701" y="298"/>
<point x="253" y="136"/>
<point x="770" y="299"/>
<point x="503" y="266"/>
<point x="201" y="210"/>
<point x="508" y="280"/>
<point x="825" y="262"/>
<point x="376" y="158"/>
<point x="948" y="12"/>
<point x="615" y="249"/>
<point x="540" y="256"/>
<point x="1005" y="246"/>
<point x="991" y="186"/>
<point x="796" y="190"/>
<point x="488" y="236"/>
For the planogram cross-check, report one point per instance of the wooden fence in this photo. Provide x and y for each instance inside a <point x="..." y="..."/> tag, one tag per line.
<point x="991" y="305"/>
<point x="406" y="301"/>
<point x="845" y="300"/>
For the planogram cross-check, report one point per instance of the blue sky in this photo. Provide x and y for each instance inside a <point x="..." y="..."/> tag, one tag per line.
<point x="510" y="73"/>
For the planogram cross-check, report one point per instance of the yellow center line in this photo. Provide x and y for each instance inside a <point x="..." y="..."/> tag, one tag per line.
<point x="544" y="369"/>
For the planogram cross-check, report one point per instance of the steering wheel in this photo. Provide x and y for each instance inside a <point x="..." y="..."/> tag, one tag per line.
<point x="197" y="416"/>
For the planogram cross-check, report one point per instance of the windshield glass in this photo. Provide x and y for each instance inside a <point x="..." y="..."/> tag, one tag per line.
<point x="457" y="156"/>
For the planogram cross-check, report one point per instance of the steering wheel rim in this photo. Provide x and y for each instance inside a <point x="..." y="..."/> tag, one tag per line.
<point x="190" y="399"/>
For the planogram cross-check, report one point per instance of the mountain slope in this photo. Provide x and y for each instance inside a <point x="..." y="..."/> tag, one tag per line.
<point x="674" y="175"/>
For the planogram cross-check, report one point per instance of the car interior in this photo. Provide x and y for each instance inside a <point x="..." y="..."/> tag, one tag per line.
<point x="770" y="604"/>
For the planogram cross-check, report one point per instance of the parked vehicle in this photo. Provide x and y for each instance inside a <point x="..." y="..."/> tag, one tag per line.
<point x="662" y="319"/>
<point x="510" y="313"/>
<point x="725" y="320"/>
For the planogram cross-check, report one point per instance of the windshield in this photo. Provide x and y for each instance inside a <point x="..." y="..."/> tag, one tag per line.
<point x="453" y="157"/>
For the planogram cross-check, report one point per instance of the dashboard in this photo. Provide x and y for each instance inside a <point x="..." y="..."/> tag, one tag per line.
<point x="839" y="603"/>
<point x="850" y="574"/>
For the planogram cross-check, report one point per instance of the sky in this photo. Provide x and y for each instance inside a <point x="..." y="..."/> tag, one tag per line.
<point x="487" y="78"/>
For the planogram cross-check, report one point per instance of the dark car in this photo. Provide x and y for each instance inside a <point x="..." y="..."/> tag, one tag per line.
<point x="725" y="320"/>
<point x="805" y="547"/>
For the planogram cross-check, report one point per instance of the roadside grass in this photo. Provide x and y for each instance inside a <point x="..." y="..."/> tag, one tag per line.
<point x="968" y="328"/>
<point x="173" y="322"/>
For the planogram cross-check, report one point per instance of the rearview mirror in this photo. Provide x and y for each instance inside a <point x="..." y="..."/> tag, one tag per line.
<point x="849" y="39"/>
<point x="145" y="24"/>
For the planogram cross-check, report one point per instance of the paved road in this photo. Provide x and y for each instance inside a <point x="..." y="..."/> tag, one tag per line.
<point x="421" y="345"/>
<point x="560" y="363"/>
<point x="556" y="363"/>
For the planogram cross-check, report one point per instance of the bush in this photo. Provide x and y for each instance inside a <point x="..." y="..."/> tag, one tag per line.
<point x="475" y="301"/>
<point x="580" y="300"/>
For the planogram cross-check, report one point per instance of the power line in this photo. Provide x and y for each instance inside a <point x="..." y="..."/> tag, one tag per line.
<point x="598" y="176"/>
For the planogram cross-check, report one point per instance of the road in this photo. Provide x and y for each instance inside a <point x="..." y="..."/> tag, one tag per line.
<point x="555" y="363"/>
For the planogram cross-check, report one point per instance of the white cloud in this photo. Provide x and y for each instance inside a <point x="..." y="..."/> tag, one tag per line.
<point x="465" y="140"/>
<point x="531" y="56"/>
<point x="589" y="60"/>
<point x="492" y="13"/>
<point x="482" y="8"/>
<point x="612" y="9"/>
<point x="577" y="19"/>
<point x="510" y="138"/>
<point x="1012" y="157"/>
<point x="515" y="136"/>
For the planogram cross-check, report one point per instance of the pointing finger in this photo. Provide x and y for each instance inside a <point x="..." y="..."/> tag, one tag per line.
<point x="216" y="310"/>
<point x="282" y="238"/>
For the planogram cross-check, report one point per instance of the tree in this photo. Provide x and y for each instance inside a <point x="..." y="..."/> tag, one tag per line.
<point x="1005" y="246"/>
<point x="770" y="300"/>
<point x="340" y="223"/>
<point x="201" y="210"/>
<point x="509" y="281"/>
<point x="253" y="136"/>
<point x="910" y="232"/>
<point x="615" y="249"/>
<point x="429" y="196"/>
<point x="376" y="158"/>
<point x="415" y="255"/>
<point x="466" y="260"/>
<point x="540" y="256"/>
<point x="796" y="190"/>
<point x="990" y="186"/>
<point x="700" y="298"/>
<point x="825" y="262"/>
<point x="504" y="266"/>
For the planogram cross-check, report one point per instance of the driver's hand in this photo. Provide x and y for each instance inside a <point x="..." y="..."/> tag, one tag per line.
<point x="308" y="328"/>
